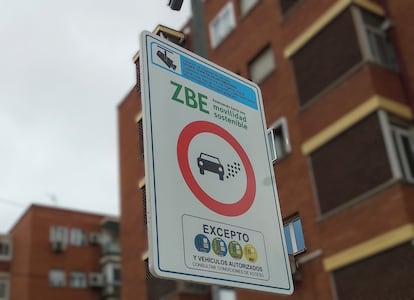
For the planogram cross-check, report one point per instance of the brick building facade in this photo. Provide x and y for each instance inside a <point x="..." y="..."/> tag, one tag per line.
<point x="337" y="78"/>
<point x="6" y="249"/>
<point x="64" y="254"/>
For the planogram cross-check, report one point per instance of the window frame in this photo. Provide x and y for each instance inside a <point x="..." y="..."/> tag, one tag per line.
<point x="109" y="273"/>
<point x="368" y="48"/>
<point x="5" y="281"/>
<point x="398" y="133"/>
<point x="246" y="9"/>
<point x="140" y="129"/>
<point x="143" y="191"/>
<point x="116" y="270"/>
<point x="281" y="124"/>
<point x="59" y="234"/>
<point x="215" y="39"/>
<point x="59" y="272"/>
<point x="387" y="123"/>
<point x="5" y="249"/>
<point x="74" y="280"/>
<point x="267" y="50"/>
<point x="78" y="237"/>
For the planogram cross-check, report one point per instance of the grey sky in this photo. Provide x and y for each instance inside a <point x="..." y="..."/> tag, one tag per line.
<point x="64" y="68"/>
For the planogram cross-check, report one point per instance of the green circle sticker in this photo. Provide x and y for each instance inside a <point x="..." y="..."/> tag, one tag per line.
<point x="219" y="247"/>
<point x="235" y="250"/>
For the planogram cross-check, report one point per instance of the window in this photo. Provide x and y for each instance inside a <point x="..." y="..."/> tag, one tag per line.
<point x="366" y="279"/>
<point x="380" y="46"/>
<point x="353" y="38"/>
<point x="144" y="203"/>
<point x="58" y="234"/>
<point x="221" y="26"/>
<point x="344" y="172"/>
<point x="57" y="278"/>
<point x="112" y="273"/>
<point x="286" y="5"/>
<point x="262" y="66"/>
<point x="5" y="249"/>
<point x="295" y="242"/>
<point x="279" y="140"/>
<point x="117" y="275"/>
<point x="77" y="237"/>
<point x="326" y="58"/>
<point x="4" y="288"/>
<point x="246" y="6"/>
<point x="404" y="142"/>
<point x="140" y="138"/>
<point x="58" y="238"/>
<point x="77" y="280"/>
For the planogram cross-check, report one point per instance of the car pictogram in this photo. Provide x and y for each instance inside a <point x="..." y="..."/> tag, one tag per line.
<point x="207" y="162"/>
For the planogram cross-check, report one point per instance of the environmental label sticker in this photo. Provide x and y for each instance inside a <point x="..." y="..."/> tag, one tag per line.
<point x="223" y="248"/>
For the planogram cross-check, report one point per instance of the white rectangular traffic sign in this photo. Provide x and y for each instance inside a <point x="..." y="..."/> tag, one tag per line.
<point x="213" y="209"/>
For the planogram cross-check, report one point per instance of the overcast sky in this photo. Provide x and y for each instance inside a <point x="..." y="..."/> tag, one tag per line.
<point x="64" y="68"/>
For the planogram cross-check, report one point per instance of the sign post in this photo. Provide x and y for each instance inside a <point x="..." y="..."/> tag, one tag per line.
<point x="213" y="209"/>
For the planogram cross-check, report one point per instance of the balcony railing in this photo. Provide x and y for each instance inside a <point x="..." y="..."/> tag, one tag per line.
<point x="111" y="249"/>
<point x="111" y="290"/>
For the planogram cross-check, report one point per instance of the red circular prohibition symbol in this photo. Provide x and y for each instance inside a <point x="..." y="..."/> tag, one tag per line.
<point x="231" y="210"/>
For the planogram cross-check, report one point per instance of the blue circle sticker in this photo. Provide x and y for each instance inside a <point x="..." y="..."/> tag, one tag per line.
<point x="202" y="243"/>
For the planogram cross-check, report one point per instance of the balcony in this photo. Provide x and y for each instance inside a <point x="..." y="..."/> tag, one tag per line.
<point x="111" y="249"/>
<point x="111" y="291"/>
<point x="109" y="238"/>
<point x="111" y="224"/>
<point x="111" y="253"/>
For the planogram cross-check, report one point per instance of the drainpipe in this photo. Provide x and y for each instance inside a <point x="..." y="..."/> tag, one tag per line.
<point x="199" y="34"/>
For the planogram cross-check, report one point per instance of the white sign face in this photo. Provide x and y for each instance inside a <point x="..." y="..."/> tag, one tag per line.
<point x="213" y="210"/>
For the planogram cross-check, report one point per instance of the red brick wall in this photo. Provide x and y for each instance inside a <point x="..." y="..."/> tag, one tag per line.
<point x="263" y="25"/>
<point x="33" y="256"/>
<point x="133" y="231"/>
<point x="20" y="267"/>
<point x="370" y="217"/>
<point x="82" y="259"/>
<point x="4" y="266"/>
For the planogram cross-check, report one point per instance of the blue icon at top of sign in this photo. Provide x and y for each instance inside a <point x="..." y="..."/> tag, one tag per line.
<point x="163" y="55"/>
<point x="165" y="58"/>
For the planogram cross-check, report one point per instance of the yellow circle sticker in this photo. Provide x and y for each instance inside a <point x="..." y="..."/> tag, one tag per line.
<point x="250" y="253"/>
